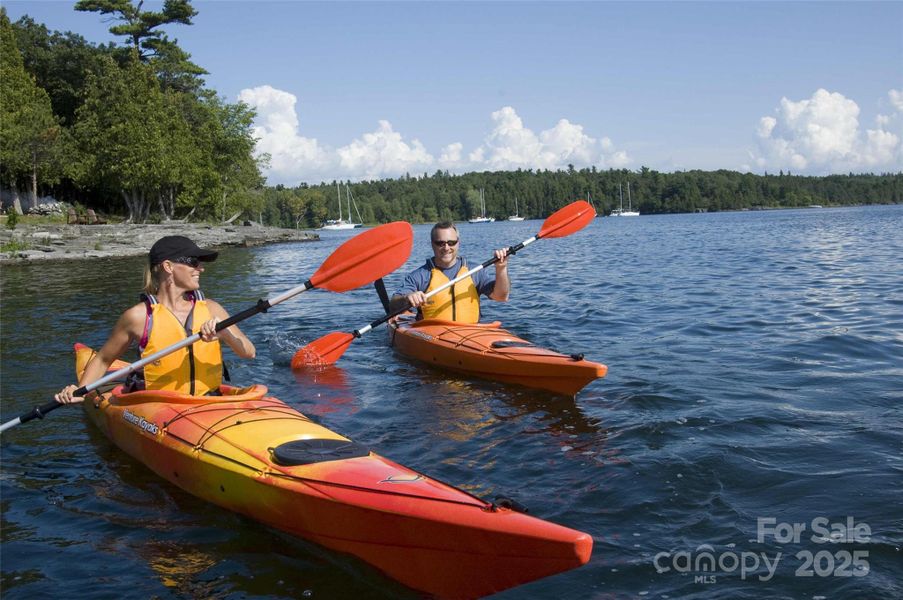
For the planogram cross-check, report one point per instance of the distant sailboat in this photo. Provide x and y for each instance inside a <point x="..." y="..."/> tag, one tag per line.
<point x="516" y="216"/>
<point x="482" y="218"/>
<point x="620" y="212"/>
<point x="340" y="223"/>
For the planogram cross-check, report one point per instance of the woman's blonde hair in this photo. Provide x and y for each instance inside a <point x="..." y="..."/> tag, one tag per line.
<point x="153" y="277"/>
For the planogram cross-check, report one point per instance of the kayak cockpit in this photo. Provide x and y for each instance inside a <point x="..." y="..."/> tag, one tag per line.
<point x="227" y="393"/>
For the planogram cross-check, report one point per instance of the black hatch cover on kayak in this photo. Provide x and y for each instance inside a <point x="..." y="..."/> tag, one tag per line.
<point x="511" y="344"/>
<point x="305" y="452"/>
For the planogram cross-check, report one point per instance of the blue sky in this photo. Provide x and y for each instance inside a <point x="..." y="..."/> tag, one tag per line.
<point x="362" y="90"/>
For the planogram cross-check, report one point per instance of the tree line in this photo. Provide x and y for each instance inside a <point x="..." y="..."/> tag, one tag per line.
<point x="536" y="194"/>
<point x="132" y="130"/>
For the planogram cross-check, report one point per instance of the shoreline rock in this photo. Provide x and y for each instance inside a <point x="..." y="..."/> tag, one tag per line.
<point x="74" y="242"/>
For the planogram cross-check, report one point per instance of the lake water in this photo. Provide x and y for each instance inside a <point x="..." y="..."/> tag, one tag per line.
<point x="751" y="416"/>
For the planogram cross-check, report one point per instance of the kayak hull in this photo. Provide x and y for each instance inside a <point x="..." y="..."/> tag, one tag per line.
<point x="427" y="535"/>
<point x="488" y="351"/>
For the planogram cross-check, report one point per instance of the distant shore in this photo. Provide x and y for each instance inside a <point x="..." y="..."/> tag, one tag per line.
<point x="29" y="243"/>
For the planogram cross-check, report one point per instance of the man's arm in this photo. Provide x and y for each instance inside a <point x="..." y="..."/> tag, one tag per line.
<point x="502" y="284"/>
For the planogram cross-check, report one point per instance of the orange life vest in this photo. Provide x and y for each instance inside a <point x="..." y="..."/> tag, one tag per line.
<point x="194" y="370"/>
<point x="460" y="302"/>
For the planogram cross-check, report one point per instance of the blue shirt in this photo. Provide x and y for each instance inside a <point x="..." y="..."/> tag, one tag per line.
<point x="419" y="279"/>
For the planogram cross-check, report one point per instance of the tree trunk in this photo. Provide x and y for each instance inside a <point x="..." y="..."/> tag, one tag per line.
<point x="17" y="202"/>
<point x="146" y="204"/>
<point x="34" y="179"/>
<point x="171" y="204"/>
<point x="138" y="207"/>
<point x="130" y="204"/>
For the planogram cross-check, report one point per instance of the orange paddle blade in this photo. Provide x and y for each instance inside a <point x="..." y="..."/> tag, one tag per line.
<point x="366" y="257"/>
<point x="570" y="219"/>
<point x="323" y="351"/>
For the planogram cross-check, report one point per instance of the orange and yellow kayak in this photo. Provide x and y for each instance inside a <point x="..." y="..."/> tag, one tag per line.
<point x="488" y="351"/>
<point x="255" y="455"/>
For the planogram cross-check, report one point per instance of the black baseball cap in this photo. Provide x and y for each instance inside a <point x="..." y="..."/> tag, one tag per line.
<point x="172" y="247"/>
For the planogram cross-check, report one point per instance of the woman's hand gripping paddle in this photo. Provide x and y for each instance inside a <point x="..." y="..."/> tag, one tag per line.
<point x="361" y="260"/>
<point x="329" y="348"/>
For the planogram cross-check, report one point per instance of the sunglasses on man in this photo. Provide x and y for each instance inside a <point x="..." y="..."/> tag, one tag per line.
<point x="449" y="243"/>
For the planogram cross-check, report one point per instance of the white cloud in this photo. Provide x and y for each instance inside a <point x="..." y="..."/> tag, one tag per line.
<point x="611" y="158"/>
<point x="294" y="158"/>
<point x="766" y="126"/>
<point x="896" y="99"/>
<point x="383" y="153"/>
<point x="511" y="145"/>
<point x="617" y="160"/>
<point x="567" y="142"/>
<point x="386" y="153"/>
<point x="450" y="157"/>
<point x="821" y="134"/>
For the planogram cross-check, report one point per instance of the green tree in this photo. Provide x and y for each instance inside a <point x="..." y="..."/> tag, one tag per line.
<point x="145" y="36"/>
<point x="141" y="27"/>
<point x="31" y="138"/>
<point x="183" y="173"/>
<point x="176" y="71"/>
<point x="59" y="62"/>
<point x="315" y="201"/>
<point x="225" y="134"/>
<point x="123" y="130"/>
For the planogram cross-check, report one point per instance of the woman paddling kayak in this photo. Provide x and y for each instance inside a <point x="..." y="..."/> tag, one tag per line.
<point x="172" y="308"/>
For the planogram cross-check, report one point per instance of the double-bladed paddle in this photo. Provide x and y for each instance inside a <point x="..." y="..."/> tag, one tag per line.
<point x="361" y="260"/>
<point x="329" y="348"/>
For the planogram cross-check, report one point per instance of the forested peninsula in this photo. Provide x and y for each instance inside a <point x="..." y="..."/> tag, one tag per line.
<point x="131" y="131"/>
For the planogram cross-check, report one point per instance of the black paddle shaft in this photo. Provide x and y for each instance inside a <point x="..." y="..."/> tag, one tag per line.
<point x="261" y="306"/>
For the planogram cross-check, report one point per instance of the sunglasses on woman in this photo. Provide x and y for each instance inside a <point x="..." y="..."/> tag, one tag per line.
<point x="449" y="243"/>
<point x="191" y="261"/>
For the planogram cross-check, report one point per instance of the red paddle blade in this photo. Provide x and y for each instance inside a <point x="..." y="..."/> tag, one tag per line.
<point x="324" y="351"/>
<point x="366" y="257"/>
<point x="570" y="219"/>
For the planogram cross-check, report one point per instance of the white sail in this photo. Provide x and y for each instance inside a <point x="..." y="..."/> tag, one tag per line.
<point x="620" y="212"/>
<point x="516" y="216"/>
<point x="482" y="218"/>
<point x="340" y="223"/>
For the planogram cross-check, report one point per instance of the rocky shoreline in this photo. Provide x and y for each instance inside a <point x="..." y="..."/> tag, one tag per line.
<point x="29" y="243"/>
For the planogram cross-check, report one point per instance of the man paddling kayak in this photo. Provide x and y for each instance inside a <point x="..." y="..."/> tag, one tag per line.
<point x="172" y="308"/>
<point x="460" y="302"/>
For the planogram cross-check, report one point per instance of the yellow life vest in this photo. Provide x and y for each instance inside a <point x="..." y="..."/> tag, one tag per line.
<point x="460" y="302"/>
<point x="194" y="370"/>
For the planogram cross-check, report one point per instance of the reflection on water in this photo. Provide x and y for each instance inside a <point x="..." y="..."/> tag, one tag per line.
<point x="326" y="391"/>
<point x="176" y="565"/>
<point x="328" y="376"/>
